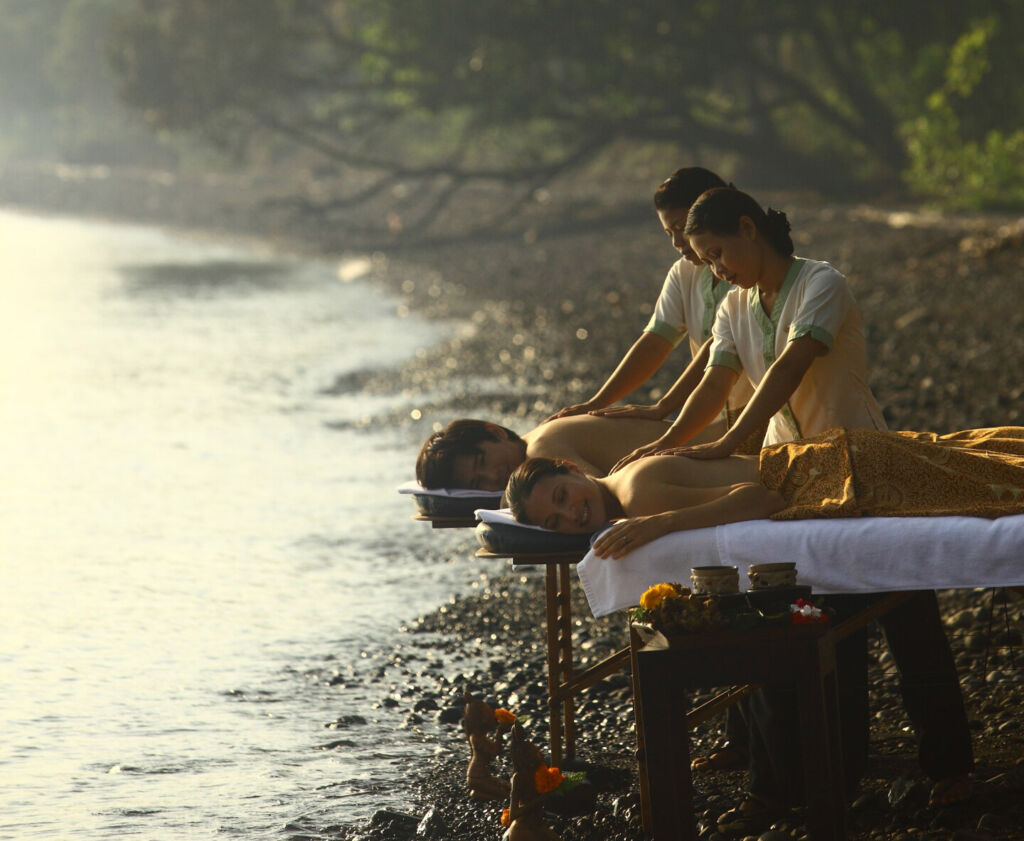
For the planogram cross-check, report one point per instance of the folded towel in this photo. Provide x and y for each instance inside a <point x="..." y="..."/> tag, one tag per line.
<point x="858" y="555"/>
<point x="503" y="517"/>
<point x="415" y="487"/>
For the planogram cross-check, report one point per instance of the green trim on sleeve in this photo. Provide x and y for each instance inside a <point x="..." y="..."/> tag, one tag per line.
<point x="727" y="360"/>
<point x="666" y="331"/>
<point x="812" y="330"/>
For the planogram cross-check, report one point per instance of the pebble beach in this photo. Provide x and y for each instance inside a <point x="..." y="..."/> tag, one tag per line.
<point x="542" y="308"/>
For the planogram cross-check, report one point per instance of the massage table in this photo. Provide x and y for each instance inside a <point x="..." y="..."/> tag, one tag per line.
<point x="893" y="556"/>
<point x="499" y="536"/>
<point x="862" y="555"/>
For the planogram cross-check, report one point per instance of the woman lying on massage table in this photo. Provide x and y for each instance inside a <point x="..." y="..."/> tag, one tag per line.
<point x="841" y="473"/>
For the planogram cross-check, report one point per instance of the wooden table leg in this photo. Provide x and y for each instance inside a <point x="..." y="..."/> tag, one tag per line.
<point x="554" y="707"/>
<point x="638" y="724"/>
<point x="821" y="751"/>
<point x="670" y="788"/>
<point x="565" y="657"/>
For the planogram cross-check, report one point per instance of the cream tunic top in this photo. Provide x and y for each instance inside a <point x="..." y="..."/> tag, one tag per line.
<point x="814" y="301"/>
<point x="686" y="306"/>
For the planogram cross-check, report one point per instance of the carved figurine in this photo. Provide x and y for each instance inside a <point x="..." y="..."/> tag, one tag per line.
<point x="531" y="781"/>
<point x="478" y="721"/>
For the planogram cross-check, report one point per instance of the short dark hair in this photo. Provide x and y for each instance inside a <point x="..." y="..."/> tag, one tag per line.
<point x="719" y="211"/>
<point x="525" y="477"/>
<point x="683" y="186"/>
<point x="435" y="465"/>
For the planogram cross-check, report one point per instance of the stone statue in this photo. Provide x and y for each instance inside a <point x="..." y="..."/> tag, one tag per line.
<point x="531" y="782"/>
<point x="478" y="722"/>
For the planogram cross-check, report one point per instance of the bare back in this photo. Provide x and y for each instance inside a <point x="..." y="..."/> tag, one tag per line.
<point x="596" y="443"/>
<point x="657" y="484"/>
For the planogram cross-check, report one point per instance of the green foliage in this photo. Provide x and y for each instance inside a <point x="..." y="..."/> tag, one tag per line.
<point x="948" y="162"/>
<point x="799" y="93"/>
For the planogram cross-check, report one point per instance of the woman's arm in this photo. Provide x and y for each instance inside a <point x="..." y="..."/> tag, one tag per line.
<point x="638" y="365"/>
<point x="778" y="385"/>
<point x="747" y="501"/>
<point x="701" y="409"/>
<point x="674" y="398"/>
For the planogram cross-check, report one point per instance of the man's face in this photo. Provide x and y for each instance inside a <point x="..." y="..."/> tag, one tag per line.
<point x="673" y="220"/>
<point x="490" y="467"/>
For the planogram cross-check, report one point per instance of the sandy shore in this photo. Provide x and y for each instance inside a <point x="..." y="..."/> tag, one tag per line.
<point x="545" y="309"/>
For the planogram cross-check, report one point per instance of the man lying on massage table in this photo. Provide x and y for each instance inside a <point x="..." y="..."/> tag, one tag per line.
<point x="479" y="455"/>
<point x="839" y="474"/>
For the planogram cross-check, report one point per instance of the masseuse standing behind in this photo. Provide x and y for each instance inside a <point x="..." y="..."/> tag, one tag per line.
<point x="686" y="307"/>
<point x="793" y="327"/>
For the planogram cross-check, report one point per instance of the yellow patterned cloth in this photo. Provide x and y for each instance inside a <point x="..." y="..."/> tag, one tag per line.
<point x="873" y="473"/>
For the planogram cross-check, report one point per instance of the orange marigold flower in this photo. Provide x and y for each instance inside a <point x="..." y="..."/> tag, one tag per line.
<point x="506" y="819"/>
<point x="547" y="779"/>
<point x="504" y="716"/>
<point x="655" y="595"/>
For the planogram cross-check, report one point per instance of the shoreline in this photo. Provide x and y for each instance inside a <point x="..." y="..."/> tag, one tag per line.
<point x="545" y="317"/>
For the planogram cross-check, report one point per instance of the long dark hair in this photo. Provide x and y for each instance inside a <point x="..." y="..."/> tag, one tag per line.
<point x="683" y="186"/>
<point x="719" y="211"/>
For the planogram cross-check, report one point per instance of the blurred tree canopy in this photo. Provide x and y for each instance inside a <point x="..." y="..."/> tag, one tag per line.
<point x="57" y="95"/>
<point x="834" y="95"/>
<point x="828" y="94"/>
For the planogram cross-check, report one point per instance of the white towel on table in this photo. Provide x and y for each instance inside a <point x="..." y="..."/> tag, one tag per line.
<point x="857" y="555"/>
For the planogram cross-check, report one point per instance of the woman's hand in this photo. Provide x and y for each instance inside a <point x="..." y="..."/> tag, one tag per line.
<point x="651" y="449"/>
<point x="712" y="449"/>
<point x="627" y="535"/>
<point x="574" y="409"/>
<point x="632" y="410"/>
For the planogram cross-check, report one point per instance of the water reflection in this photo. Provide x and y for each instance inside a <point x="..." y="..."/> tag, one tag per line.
<point x="184" y="539"/>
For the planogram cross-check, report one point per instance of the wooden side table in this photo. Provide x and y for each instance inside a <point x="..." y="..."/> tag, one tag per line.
<point x="667" y="669"/>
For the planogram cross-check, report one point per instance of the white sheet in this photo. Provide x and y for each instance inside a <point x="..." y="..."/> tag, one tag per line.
<point x="862" y="555"/>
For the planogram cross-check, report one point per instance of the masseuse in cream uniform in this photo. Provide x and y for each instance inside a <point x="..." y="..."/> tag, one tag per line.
<point x="793" y="328"/>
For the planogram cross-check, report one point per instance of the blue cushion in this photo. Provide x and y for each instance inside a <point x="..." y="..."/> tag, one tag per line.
<point x="511" y="540"/>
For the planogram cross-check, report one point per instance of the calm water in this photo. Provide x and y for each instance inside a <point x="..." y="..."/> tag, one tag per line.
<point x="195" y="536"/>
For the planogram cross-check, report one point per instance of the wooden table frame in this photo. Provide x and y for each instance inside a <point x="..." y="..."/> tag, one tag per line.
<point x="564" y="682"/>
<point x="666" y="786"/>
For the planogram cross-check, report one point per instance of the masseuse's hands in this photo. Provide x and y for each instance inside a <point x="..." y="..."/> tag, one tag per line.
<point x="654" y="448"/>
<point x="632" y="410"/>
<point x="712" y="449"/>
<point x="574" y="409"/>
<point x="627" y="535"/>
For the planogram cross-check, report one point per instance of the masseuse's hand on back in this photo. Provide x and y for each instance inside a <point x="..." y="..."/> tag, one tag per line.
<point x="584" y="408"/>
<point x="651" y="449"/>
<point x="637" y="366"/>
<point x="708" y="450"/>
<point x="632" y="410"/>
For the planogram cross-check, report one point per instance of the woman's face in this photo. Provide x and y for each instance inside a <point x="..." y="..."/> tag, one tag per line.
<point x="567" y="502"/>
<point x="673" y="220"/>
<point x="735" y="258"/>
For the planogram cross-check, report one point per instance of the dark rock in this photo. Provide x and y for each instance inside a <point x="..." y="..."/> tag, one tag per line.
<point x="432" y="825"/>
<point x="345" y="721"/>
<point x="450" y="715"/>
<point x="398" y="825"/>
